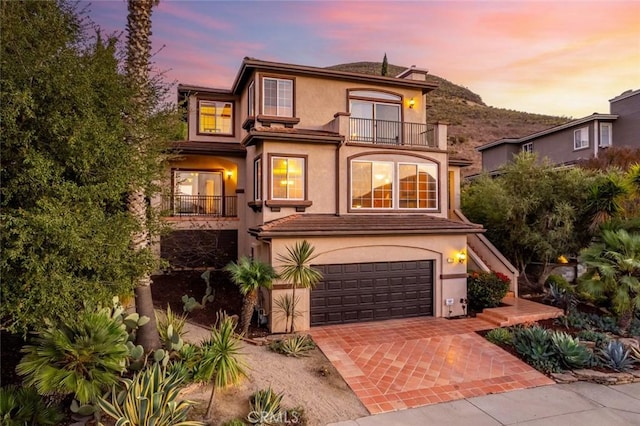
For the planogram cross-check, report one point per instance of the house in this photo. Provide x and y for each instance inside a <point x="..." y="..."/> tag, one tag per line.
<point x="576" y="140"/>
<point x="346" y="161"/>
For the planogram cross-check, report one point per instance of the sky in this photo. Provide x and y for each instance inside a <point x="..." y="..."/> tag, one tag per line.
<point x="564" y="58"/>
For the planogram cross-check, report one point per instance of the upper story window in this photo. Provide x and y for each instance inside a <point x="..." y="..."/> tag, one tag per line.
<point x="215" y="117"/>
<point x="375" y="116"/>
<point x="288" y="178"/>
<point x="389" y="185"/>
<point x="197" y="192"/>
<point x="605" y="134"/>
<point x="527" y="147"/>
<point x="581" y="138"/>
<point x="251" y="99"/>
<point x="277" y="97"/>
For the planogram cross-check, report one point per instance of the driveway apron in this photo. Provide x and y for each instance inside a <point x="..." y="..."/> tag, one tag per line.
<point x="397" y="364"/>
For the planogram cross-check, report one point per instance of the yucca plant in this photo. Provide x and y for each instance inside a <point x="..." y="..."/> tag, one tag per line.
<point x="297" y="269"/>
<point x="83" y="358"/>
<point x="500" y="336"/>
<point x="571" y="353"/>
<point x="149" y="399"/>
<point x="294" y="346"/>
<point x="23" y="406"/>
<point x="250" y="275"/>
<point x="220" y="362"/>
<point x="616" y="356"/>
<point x="286" y="306"/>
<point x="265" y="407"/>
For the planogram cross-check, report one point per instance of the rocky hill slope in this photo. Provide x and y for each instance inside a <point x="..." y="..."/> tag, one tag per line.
<point x="471" y="122"/>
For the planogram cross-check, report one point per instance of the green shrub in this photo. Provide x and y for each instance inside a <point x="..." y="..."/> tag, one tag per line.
<point x="293" y="346"/>
<point x="569" y="350"/>
<point x="83" y="358"/>
<point x="23" y="406"/>
<point x="600" y="339"/>
<point x="559" y="282"/>
<point x="149" y="399"/>
<point x="500" y="336"/>
<point x="486" y="289"/>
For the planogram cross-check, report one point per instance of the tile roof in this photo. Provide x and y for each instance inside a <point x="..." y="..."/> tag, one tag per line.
<point x="362" y="224"/>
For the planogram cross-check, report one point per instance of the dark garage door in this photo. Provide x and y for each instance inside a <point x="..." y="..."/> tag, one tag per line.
<point x="357" y="292"/>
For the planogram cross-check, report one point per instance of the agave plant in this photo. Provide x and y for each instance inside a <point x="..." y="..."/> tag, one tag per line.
<point x="83" y="358"/>
<point x="616" y="356"/>
<point x="149" y="399"/>
<point x="23" y="406"/>
<point x="250" y="275"/>
<point x="294" y="346"/>
<point x="297" y="269"/>
<point x="535" y="346"/>
<point x="220" y="362"/>
<point x="500" y="336"/>
<point x="265" y="407"/>
<point x="571" y="353"/>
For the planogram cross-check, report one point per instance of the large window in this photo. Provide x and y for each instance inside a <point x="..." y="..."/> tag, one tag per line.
<point x="371" y="185"/>
<point x="418" y="186"/>
<point x="287" y="178"/>
<point x="197" y="192"/>
<point x="581" y="138"/>
<point x="216" y="117"/>
<point x="388" y="185"/>
<point x="277" y="97"/>
<point x="605" y="134"/>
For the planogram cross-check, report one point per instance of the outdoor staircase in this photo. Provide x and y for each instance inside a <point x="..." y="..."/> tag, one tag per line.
<point x="518" y="311"/>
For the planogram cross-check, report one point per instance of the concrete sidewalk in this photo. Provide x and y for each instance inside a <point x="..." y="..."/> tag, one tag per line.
<point x="580" y="404"/>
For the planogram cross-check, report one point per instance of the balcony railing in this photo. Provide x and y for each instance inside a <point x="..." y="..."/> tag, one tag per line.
<point x="201" y="205"/>
<point x="385" y="132"/>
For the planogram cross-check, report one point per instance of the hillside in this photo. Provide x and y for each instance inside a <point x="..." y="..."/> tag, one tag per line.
<point x="471" y="122"/>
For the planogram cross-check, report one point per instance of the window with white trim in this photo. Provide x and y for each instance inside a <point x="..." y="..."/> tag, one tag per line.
<point x="581" y="138"/>
<point x="527" y="147"/>
<point x="389" y="185"/>
<point x="277" y="97"/>
<point x="605" y="134"/>
<point x="251" y="99"/>
<point x="215" y="117"/>
<point x="287" y="178"/>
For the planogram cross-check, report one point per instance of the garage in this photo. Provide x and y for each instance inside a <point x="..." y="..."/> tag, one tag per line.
<point x="357" y="292"/>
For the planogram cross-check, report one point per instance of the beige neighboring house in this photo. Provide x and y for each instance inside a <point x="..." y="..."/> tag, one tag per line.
<point x="346" y="161"/>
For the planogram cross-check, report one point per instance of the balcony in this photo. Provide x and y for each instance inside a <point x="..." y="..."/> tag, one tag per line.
<point x="394" y="133"/>
<point x="201" y="205"/>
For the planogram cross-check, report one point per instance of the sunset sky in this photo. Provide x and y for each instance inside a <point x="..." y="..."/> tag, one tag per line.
<point x="561" y="58"/>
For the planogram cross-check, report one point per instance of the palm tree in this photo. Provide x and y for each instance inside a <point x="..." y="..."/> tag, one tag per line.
<point x="250" y="275"/>
<point x="137" y="70"/>
<point x="220" y="362"/>
<point x="613" y="270"/>
<point x="604" y="200"/>
<point x="296" y="269"/>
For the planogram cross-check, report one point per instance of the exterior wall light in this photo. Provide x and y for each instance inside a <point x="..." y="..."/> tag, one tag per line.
<point x="229" y="174"/>
<point x="412" y="103"/>
<point x="461" y="256"/>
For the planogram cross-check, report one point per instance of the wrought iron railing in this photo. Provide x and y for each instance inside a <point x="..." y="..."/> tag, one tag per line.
<point x="386" y="132"/>
<point x="201" y="205"/>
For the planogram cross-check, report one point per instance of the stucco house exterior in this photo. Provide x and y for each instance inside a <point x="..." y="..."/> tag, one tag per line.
<point x="346" y="161"/>
<point x="576" y="140"/>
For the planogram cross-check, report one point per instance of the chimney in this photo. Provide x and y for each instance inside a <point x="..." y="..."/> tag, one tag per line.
<point x="414" y="73"/>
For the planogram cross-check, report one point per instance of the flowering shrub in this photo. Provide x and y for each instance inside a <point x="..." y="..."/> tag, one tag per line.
<point x="486" y="289"/>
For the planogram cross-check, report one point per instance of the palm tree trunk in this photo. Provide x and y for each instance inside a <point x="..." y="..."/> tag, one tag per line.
<point x="209" y="413"/>
<point x="137" y="68"/>
<point x="248" y="306"/>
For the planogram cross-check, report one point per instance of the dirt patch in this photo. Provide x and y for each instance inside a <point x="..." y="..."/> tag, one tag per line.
<point x="325" y="397"/>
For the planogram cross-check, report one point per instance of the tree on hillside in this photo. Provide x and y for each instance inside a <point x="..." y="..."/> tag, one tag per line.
<point x="66" y="167"/>
<point x="137" y="71"/>
<point x="385" y="66"/>
<point x="532" y="211"/>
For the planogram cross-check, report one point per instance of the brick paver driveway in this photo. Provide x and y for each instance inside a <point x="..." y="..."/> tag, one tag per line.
<point x="396" y="364"/>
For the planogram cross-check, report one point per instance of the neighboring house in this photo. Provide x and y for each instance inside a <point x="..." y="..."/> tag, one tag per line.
<point x="346" y="161"/>
<point x="576" y="140"/>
